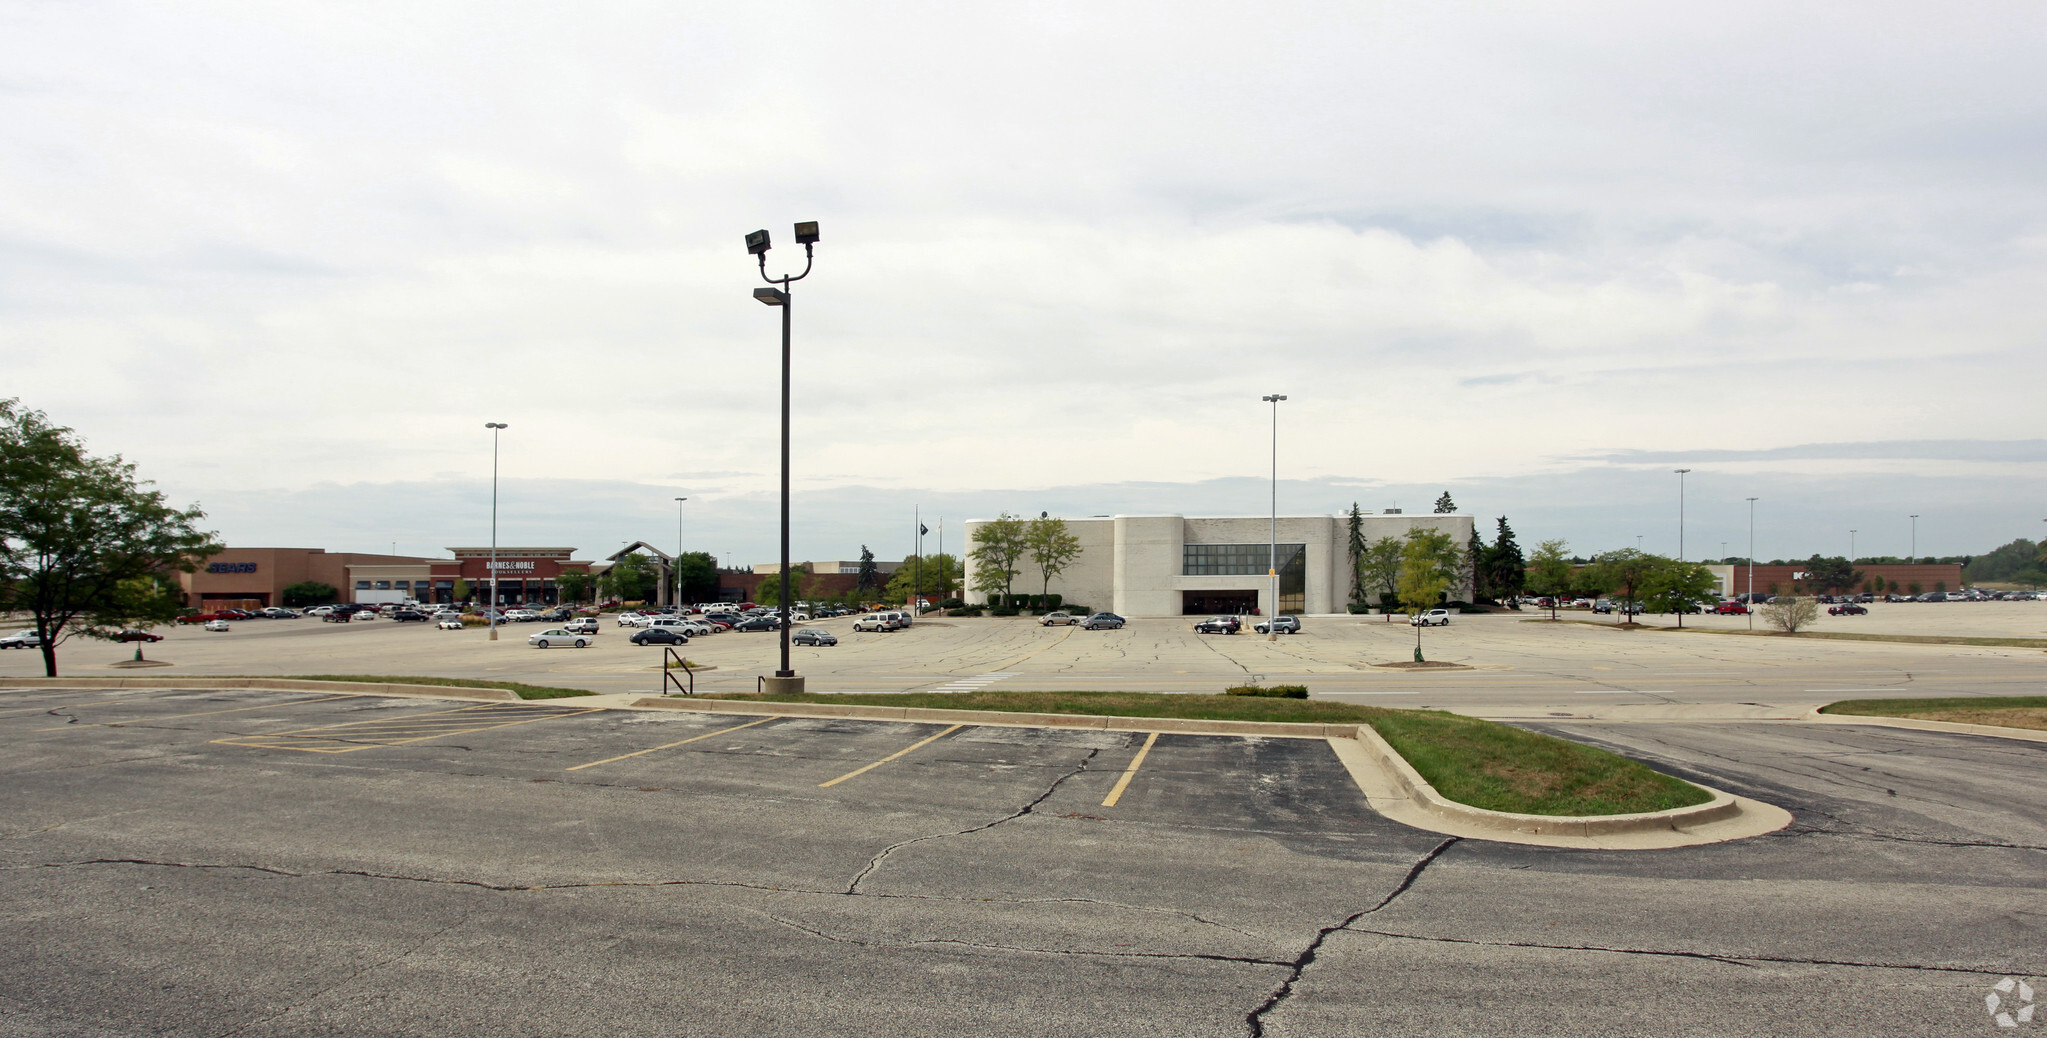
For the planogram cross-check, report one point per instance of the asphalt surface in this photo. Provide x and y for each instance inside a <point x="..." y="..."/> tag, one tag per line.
<point x="259" y="863"/>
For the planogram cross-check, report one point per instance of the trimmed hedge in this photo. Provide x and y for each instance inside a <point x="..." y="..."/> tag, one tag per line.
<point x="1269" y="691"/>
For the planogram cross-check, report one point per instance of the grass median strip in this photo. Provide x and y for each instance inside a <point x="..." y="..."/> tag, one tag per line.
<point x="1481" y="763"/>
<point x="2003" y="711"/>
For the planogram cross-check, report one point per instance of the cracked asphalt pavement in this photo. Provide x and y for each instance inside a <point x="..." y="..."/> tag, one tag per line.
<point x="366" y="867"/>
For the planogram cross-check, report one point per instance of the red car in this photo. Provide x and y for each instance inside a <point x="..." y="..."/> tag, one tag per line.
<point x="135" y="635"/>
<point x="200" y="618"/>
<point x="1731" y="608"/>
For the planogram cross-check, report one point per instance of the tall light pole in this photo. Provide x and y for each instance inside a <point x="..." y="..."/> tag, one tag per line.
<point x="495" y="428"/>
<point x="1681" y="513"/>
<point x="1915" y="541"/>
<point x="785" y="679"/>
<point x="1851" y="548"/>
<point x="1272" y="620"/>
<point x="1752" y="564"/>
<point x="676" y="565"/>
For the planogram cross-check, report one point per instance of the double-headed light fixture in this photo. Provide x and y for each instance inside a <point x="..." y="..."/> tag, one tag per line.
<point x="757" y="244"/>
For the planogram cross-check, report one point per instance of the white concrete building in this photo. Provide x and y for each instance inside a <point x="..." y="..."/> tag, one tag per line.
<point x="1171" y="565"/>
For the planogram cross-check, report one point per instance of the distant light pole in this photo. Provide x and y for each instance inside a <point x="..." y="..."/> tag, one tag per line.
<point x="677" y="564"/>
<point x="1272" y="620"/>
<point x="1752" y="564"/>
<point x="1681" y="513"/>
<point x="1638" y="542"/>
<point x="1915" y="541"/>
<point x="1851" y="547"/>
<point x="494" y="428"/>
<point x="757" y="245"/>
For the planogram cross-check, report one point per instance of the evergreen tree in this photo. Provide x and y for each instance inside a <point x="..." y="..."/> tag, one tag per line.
<point x="1357" y="555"/>
<point x="1445" y="506"/>
<point x="1506" y="570"/>
<point x="866" y="580"/>
<point x="1477" y="567"/>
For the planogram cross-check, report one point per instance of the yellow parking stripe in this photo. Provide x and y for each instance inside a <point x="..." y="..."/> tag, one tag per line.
<point x="1130" y="772"/>
<point x="367" y="735"/>
<point x="890" y="757"/>
<point x="672" y="745"/>
<point x="202" y="713"/>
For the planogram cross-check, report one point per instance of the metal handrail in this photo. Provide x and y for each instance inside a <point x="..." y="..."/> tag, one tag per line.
<point x="668" y="665"/>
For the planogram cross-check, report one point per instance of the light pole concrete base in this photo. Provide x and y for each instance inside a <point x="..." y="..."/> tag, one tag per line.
<point x="776" y="685"/>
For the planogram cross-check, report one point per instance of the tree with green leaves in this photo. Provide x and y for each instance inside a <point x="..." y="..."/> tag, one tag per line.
<point x="1051" y="549"/>
<point x="1831" y="573"/>
<point x="1676" y="586"/>
<point x="1357" y="549"/>
<point x="460" y="590"/>
<point x="1379" y="572"/>
<point x="1430" y="565"/>
<point x="698" y="572"/>
<point x="769" y="593"/>
<point x="868" y="576"/>
<point x="573" y="585"/>
<point x="999" y="547"/>
<point x="76" y="531"/>
<point x="1445" y="506"/>
<point x="1475" y="563"/>
<point x="301" y="594"/>
<point x="1506" y="570"/>
<point x="927" y="576"/>
<point x="1624" y="572"/>
<point x="630" y="579"/>
<point x="1550" y="572"/>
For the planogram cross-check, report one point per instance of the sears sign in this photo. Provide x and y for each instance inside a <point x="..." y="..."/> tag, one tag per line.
<point x="230" y="567"/>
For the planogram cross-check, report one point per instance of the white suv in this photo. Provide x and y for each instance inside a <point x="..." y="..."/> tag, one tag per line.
<point x="632" y="620"/>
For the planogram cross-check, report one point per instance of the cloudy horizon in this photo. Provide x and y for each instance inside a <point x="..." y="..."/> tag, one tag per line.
<point x="290" y="260"/>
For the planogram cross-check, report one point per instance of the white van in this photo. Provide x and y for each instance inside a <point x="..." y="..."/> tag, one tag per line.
<point x="876" y="622"/>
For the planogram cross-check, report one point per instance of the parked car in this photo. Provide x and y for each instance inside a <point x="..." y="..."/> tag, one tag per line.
<point x="1219" y="625"/>
<point x="136" y="634"/>
<point x="449" y="623"/>
<point x="760" y="623"/>
<point x="1284" y="624"/>
<point x="338" y="616"/>
<point x="557" y="636"/>
<point x="1432" y="618"/>
<point x="277" y="613"/>
<point x="813" y="636"/>
<point x="875" y="622"/>
<point x="1058" y="620"/>
<point x="216" y="625"/>
<point x="522" y="616"/>
<point x="1102" y="622"/>
<point x="408" y="616"/>
<point x="320" y="610"/>
<point x="632" y="620"/>
<point x="660" y="636"/>
<point x="448" y="614"/>
<point x="21" y="640"/>
<point x="1846" y="609"/>
<point x="586" y="625"/>
<point x="1731" y="609"/>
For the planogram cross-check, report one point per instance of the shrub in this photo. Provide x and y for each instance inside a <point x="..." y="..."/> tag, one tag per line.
<point x="964" y="611"/>
<point x="1358" y="607"/>
<point x="1003" y="611"/>
<point x="1052" y="601"/>
<point x="1077" y="609"/>
<point x="953" y="603"/>
<point x="1789" y="614"/>
<point x="1269" y="691"/>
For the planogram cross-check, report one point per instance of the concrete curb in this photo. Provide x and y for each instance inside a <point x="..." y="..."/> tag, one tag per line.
<point x="272" y="685"/>
<point x="1005" y="718"/>
<point x="1916" y="724"/>
<point x="1418" y="791"/>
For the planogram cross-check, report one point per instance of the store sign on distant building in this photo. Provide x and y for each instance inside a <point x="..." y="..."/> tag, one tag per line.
<point x="230" y="567"/>
<point x="501" y="564"/>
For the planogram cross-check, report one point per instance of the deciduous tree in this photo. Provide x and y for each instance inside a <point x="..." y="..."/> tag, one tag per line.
<point x="1051" y="549"/>
<point x="1788" y="613"/>
<point x="307" y="593"/>
<point x="999" y="546"/>
<point x="1676" y="587"/>
<point x="1551" y="572"/>
<point x="74" y="528"/>
<point x="1379" y="570"/>
<point x="1430" y="564"/>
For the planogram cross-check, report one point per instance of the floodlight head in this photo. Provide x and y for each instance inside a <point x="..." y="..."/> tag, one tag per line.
<point x="757" y="243"/>
<point x="806" y="233"/>
<point x="495" y="425"/>
<point x="1274" y="398"/>
<point x="771" y="296"/>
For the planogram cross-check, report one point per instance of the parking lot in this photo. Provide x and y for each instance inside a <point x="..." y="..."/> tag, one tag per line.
<point x="268" y="863"/>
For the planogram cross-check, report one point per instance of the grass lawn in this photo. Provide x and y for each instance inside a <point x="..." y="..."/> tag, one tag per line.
<point x="1481" y="763"/>
<point x="2007" y="711"/>
<point x="525" y="691"/>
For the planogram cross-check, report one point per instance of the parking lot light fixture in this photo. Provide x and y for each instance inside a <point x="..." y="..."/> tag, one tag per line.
<point x="777" y="294"/>
<point x="1915" y="540"/>
<point x="1272" y="568"/>
<point x="1681" y="513"/>
<point x="492" y="615"/>
<point x="1752" y="563"/>
<point x="676" y="564"/>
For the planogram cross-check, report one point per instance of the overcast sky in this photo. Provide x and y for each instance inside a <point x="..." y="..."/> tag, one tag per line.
<point x="289" y="258"/>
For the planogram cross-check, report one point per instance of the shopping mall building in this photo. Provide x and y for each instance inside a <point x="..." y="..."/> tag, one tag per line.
<point x="1172" y="565"/>
<point x="251" y="578"/>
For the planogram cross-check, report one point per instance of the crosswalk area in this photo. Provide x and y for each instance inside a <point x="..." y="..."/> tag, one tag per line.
<point x="975" y="683"/>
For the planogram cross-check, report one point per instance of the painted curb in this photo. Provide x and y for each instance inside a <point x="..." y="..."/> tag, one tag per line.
<point x="1006" y="719"/>
<point x="271" y="685"/>
<point x="1920" y="725"/>
<point x="1424" y="795"/>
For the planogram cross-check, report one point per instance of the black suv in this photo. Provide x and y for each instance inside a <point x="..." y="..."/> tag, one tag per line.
<point x="1219" y="625"/>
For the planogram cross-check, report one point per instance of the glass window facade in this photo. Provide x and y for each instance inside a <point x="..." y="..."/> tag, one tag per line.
<point x="1203" y="560"/>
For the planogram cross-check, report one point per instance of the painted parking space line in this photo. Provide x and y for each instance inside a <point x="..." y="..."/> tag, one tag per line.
<point x="1620" y="692"/>
<point x="1130" y="772"/>
<point x="368" y="735"/>
<point x="857" y="772"/>
<point x="975" y="683"/>
<point x="672" y="745"/>
<point x="202" y="713"/>
<point x="1893" y="688"/>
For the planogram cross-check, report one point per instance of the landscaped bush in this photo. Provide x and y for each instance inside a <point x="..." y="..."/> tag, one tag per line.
<point x="964" y="611"/>
<point x="1269" y="691"/>
<point x="1003" y="611"/>
<point x="952" y="603"/>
